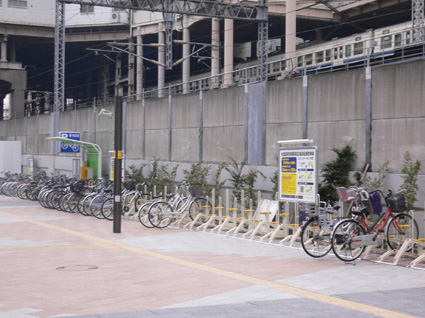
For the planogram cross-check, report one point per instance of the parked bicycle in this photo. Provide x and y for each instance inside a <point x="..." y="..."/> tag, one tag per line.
<point x="162" y="213"/>
<point x="351" y="236"/>
<point x="316" y="232"/>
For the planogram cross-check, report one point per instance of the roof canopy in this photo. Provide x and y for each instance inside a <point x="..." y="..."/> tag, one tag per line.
<point x="94" y="152"/>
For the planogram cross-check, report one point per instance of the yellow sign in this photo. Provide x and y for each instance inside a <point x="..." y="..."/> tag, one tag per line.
<point x="289" y="183"/>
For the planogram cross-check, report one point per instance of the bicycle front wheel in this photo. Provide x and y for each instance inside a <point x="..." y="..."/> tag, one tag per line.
<point x="143" y="214"/>
<point x="316" y="242"/>
<point x="402" y="227"/>
<point x="160" y="214"/>
<point x="342" y="240"/>
<point x="107" y="209"/>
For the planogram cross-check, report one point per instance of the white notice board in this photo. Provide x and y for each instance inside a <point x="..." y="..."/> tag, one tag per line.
<point x="298" y="170"/>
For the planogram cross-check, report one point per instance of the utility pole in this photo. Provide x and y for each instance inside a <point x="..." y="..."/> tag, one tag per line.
<point x="118" y="159"/>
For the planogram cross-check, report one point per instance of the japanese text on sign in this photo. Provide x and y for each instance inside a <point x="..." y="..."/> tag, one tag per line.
<point x="298" y="175"/>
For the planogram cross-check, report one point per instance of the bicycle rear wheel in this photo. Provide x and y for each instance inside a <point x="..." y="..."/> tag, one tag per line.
<point x="315" y="241"/>
<point x="160" y="214"/>
<point x="402" y="227"/>
<point x="199" y="205"/>
<point x="342" y="240"/>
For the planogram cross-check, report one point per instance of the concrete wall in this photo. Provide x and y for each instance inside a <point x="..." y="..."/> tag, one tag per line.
<point x="211" y="126"/>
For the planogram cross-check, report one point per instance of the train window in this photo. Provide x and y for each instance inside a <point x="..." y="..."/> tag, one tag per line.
<point x="328" y="55"/>
<point x="283" y="65"/>
<point x="309" y="59"/>
<point x="341" y="52"/>
<point x="348" y="50"/>
<point x="358" y="48"/>
<point x="335" y="53"/>
<point x="397" y="40"/>
<point x="386" y="42"/>
<point x="300" y="61"/>
<point x="319" y="57"/>
<point x="269" y="68"/>
<point x="407" y="37"/>
<point x="276" y="67"/>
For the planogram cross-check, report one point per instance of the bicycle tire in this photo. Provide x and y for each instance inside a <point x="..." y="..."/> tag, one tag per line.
<point x="64" y="202"/>
<point x="143" y="215"/>
<point x="56" y="200"/>
<point x="140" y="200"/>
<point x="160" y="214"/>
<point x="80" y="205"/>
<point x="407" y="229"/>
<point x="96" y="206"/>
<point x="49" y="199"/>
<point x="73" y="203"/>
<point x="342" y="237"/>
<point x="199" y="205"/>
<point x="107" y="209"/>
<point x="315" y="241"/>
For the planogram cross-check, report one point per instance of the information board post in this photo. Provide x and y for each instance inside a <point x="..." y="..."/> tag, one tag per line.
<point x="298" y="171"/>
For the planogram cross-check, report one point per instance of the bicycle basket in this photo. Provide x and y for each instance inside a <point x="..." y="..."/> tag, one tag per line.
<point x="196" y="190"/>
<point x="375" y="201"/>
<point x="130" y="185"/>
<point x="76" y="186"/>
<point x="397" y="202"/>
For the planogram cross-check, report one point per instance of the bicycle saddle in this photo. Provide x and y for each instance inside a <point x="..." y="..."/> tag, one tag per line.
<point x="361" y="212"/>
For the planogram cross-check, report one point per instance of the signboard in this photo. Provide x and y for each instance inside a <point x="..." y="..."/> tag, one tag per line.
<point x="112" y="169"/>
<point x="30" y="167"/>
<point x="298" y="174"/>
<point x="74" y="135"/>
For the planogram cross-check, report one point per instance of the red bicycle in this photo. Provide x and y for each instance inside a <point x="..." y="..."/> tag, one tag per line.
<point x="351" y="236"/>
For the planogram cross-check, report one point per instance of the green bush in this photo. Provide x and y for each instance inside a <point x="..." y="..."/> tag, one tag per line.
<point x="335" y="173"/>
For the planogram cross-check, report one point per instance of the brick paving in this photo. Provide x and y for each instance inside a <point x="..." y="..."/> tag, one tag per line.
<point x="56" y="264"/>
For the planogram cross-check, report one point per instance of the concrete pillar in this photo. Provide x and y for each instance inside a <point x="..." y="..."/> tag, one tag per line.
<point x="186" y="52"/>
<point x="139" y="68"/>
<point x="4" y="49"/>
<point x="131" y="66"/>
<point x="228" y="51"/>
<point x="290" y="32"/>
<point x="161" y="59"/>
<point x="215" y="52"/>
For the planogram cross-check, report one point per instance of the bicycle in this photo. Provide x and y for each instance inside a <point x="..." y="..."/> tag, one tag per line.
<point x="351" y="236"/>
<point x="162" y="213"/>
<point x="316" y="232"/>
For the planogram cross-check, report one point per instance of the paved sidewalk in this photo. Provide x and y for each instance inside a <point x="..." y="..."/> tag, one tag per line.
<point x="56" y="264"/>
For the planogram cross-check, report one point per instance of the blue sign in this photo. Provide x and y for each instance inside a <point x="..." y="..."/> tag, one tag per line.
<point x="74" y="135"/>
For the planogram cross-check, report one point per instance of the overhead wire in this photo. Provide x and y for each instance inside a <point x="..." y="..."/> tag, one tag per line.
<point x="205" y="37"/>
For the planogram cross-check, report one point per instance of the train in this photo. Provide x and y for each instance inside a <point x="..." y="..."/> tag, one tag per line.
<point x="357" y="49"/>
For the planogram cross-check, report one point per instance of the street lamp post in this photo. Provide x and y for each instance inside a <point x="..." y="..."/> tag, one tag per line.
<point x="118" y="159"/>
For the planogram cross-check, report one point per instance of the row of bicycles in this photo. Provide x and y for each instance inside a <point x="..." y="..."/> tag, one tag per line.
<point x="368" y="222"/>
<point x="96" y="198"/>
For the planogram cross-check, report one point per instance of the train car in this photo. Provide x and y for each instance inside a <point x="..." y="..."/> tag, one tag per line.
<point x="349" y="51"/>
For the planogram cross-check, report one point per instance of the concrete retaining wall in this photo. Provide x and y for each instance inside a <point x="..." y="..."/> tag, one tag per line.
<point x="211" y="126"/>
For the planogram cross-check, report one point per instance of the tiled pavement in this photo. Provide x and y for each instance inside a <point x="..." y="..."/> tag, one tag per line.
<point x="55" y="264"/>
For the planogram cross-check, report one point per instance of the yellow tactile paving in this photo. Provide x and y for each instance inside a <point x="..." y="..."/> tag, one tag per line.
<point x="105" y="243"/>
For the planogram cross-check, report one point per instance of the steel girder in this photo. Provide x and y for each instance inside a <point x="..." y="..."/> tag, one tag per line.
<point x="213" y="9"/>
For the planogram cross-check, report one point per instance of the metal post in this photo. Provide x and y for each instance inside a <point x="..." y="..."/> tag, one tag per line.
<point x="305" y="107"/>
<point x="118" y="159"/>
<point x="368" y="119"/>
